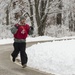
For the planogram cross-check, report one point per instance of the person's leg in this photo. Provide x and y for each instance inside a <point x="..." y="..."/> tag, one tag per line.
<point x="16" y="51"/>
<point x="23" y="54"/>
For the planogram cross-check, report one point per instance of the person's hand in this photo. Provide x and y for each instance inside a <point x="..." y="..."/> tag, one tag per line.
<point x="17" y="25"/>
<point x="31" y="27"/>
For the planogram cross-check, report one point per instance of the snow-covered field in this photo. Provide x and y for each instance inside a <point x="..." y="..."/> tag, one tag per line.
<point x="57" y="57"/>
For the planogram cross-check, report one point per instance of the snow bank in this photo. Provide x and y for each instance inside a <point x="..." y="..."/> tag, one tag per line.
<point x="53" y="57"/>
<point x="40" y="38"/>
<point x="6" y="41"/>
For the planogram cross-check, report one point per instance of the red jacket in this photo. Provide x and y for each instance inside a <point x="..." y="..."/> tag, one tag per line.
<point x="22" y="31"/>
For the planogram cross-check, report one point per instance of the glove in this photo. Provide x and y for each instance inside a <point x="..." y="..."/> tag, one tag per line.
<point x="17" y="25"/>
<point x="31" y="27"/>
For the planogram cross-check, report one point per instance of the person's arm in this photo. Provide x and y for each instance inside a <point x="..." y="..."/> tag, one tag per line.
<point x="14" y="29"/>
<point x="31" y="30"/>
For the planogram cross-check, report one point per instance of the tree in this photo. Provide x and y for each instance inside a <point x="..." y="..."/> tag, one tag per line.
<point x="69" y="12"/>
<point x="59" y="15"/>
<point x="42" y="11"/>
<point x="7" y="16"/>
<point x="38" y="11"/>
<point x="41" y="16"/>
<point x="31" y="12"/>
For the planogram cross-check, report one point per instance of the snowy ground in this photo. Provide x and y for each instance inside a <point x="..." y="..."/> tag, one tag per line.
<point x="53" y="57"/>
<point x="57" y="57"/>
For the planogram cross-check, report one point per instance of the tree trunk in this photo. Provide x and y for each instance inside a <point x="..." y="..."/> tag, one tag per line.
<point x="41" y="29"/>
<point x="59" y="18"/>
<point x="41" y="16"/>
<point x="7" y="16"/>
<point x="31" y="13"/>
<point x="37" y="13"/>
<point x="59" y="15"/>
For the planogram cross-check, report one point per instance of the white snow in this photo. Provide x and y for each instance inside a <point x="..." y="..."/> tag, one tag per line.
<point x="56" y="57"/>
<point x="40" y="38"/>
<point x="6" y="41"/>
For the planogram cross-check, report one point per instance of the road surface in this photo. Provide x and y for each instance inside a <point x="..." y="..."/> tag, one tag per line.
<point x="7" y="67"/>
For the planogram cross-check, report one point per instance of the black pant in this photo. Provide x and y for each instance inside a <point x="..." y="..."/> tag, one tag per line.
<point x="20" y="47"/>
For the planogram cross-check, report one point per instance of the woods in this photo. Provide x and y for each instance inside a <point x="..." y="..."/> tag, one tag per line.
<point x="41" y="14"/>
